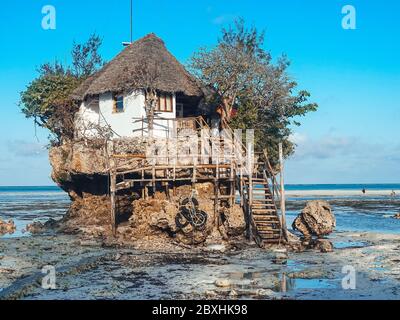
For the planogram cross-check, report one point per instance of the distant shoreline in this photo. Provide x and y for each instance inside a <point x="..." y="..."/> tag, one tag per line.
<point x="341" y="192"/>
<point x="292" y="190"/>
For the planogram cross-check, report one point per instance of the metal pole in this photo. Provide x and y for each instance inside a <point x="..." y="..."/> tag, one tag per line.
<point x="131" y="21"/>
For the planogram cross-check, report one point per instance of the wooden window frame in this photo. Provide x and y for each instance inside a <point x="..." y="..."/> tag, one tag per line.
<point x="115" y="100"/>
<point x="162" y="105"/>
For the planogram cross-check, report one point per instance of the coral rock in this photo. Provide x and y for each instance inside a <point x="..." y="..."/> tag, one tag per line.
<point x="316" y="219"/>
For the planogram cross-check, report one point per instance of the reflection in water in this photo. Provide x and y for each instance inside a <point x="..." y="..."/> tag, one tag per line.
<point x="288" y="284"/>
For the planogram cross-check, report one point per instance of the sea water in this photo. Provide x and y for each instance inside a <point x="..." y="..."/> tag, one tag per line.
<point x="356" y="212"/>
<point x="27" y="204"/>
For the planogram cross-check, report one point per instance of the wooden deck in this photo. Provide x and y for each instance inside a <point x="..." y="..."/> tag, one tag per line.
<point x="222" y="161"/>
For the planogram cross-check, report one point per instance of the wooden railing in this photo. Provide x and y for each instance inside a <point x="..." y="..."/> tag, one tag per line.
<point x="169" y="127"/>
<point x="270" y="175"/>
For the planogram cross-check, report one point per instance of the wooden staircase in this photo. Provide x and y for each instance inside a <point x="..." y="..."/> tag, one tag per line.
<point x="262" y="212"/>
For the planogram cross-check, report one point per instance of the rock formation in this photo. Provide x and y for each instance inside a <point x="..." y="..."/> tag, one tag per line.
<point x="7" y="227"/>
<point x="316" y="219"/>
<point x="82" y="171"/>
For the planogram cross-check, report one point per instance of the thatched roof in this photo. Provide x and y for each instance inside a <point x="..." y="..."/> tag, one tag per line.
<point x="121" y="72"/>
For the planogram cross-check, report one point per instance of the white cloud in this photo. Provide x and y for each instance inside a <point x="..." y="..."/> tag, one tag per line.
<point x="336" y="158"/>
<point x="22" y="148"/>
<point x="225" y="18"/>
<point x="333" y="145"/>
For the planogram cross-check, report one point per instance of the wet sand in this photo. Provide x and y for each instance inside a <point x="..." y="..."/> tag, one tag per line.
<point x="88" y="270"/>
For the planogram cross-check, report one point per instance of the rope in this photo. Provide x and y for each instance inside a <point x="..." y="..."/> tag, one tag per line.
<point x="109" y="126"/>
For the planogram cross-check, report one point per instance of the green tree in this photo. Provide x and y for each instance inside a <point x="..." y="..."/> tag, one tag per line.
<point x="245" y="79"/>
<point x="47" y="99"/>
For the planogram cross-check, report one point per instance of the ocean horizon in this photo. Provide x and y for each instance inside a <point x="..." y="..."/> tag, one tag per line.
<point x="288" y="187"/>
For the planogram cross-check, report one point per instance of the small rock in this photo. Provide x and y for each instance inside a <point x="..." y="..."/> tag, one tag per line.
<point x="35" y="227"/>
<point x="211" y="293"/>
<point x="265" y="292"/>
<point x="281" y="256"/>
<point x="7" y="227"/>
<point x="397" y="216"/>
<point x="88" y="243"/>
<point x="324" y="245"/>
<point x="216" y="247"/>
<point x="222" y="283"/>
<point x="117" y="256"/>
<point x="233" y="293"/>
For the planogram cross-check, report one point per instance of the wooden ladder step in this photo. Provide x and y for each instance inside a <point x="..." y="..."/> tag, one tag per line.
<point x="267" y="219"/>
<point x="263" y="233"/>
<point x="269" y="238"/>
<point x="271" y="214"/>
<point x="268" y="241"/>
<point x="263" y="205"/>
<point x="266" y="234"/>
<point x="263" y="210"/>
<point x="268" y="229"/>
<point x="265" y="223"/>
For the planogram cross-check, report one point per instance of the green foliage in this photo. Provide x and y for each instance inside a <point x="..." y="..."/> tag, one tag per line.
<point x="47" y="98"/>
<point x="245" y="79"/>
<point x="47" y="101"/>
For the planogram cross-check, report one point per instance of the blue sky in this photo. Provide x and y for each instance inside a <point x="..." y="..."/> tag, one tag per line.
<point x="354" y="75"/>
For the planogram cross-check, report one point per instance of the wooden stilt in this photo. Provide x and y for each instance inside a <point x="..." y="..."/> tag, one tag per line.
<point x="167" y="191"/>
<point x="113" y="186"/>
<point x="282" y="185"/>
<point x="216" y="204"/>
<point x="250" y="157"/>
<point x="113" y="203"/>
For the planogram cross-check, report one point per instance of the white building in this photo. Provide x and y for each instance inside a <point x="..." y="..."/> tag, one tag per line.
<point x="116" y="95"/>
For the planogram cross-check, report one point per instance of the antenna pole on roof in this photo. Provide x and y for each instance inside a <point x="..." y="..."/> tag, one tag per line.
<point x="125" y="44"/>
<point x="131" y="21"/>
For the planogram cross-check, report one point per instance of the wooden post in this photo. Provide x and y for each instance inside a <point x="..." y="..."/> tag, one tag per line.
<point x="282" y="185"/>
<point x="113" y="203"/>
<point x="216" y="204"/>
<point x="283" y="283"/>
<point x="142" y="127"/>
<point x="250" y="158"/>
<point x="167" y="191"/>
<point x="113" y="187"/>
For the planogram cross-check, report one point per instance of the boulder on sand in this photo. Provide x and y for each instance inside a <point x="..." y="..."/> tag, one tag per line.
<point x="316" y="219"/>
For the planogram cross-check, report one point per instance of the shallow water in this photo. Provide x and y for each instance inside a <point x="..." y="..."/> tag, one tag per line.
<point x="172" y="278"/>
<point x="365" y="214"/>
<point x="357" y="213"/>
<point x="27" y="204"/>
